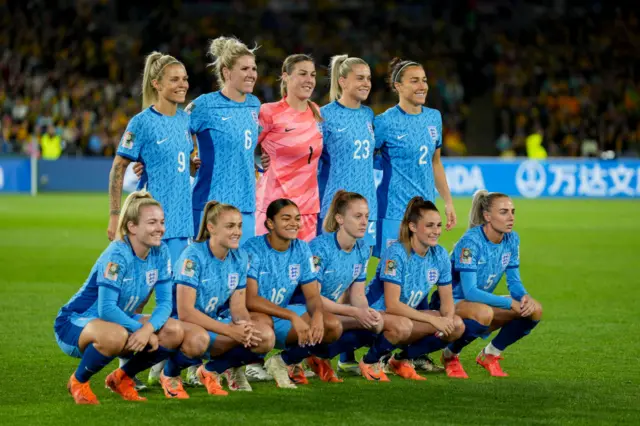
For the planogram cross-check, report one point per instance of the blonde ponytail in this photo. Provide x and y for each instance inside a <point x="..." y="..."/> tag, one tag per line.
<point x="341" y="66"/>
<point x="211" y="213"/>
<point x="154" y="67"/>
<point x="482" y="202"/>
<point x="339" y="205"/>
<point x="131" y="211"/>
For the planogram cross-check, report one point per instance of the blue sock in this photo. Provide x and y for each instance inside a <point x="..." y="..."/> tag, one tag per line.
<point x="234" y="357"/>
<point x="143" y="360"/>
<point x="348" y="342"/>
<point x="473" y="329"/>
<point x="379" y="349"/>
<point x="512" y="332"/>
<point x="92" y="361"/>
<point x="425" y="345"/>
<point x="348" y="357"/>
<point x="295" y="355"/>
<point x="178" y="362"/>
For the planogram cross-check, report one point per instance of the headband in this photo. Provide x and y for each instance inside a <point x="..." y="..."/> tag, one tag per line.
<point x="397" y="73"/>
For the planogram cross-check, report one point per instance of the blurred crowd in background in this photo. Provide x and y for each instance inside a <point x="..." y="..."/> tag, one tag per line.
<point x="559" y="80"/>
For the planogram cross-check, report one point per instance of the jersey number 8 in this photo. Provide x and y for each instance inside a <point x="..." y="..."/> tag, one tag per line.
<point x="211" y="306"/>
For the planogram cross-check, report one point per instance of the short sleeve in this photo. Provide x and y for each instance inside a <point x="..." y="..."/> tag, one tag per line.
<point x="164" y="263"/>
<point x="392" y="265"/>
<point x="514" y="260"/>
<point x="111" y="271"/>
<point x="380" y="131"/>
<point x="320" y="258"/>
<point x="244" y="269"/>
<point x="465" y="256"/>
<point x="132" y="139"/>
<point x="188" y="269"/>
<point x="444" y="266"/>
<point x="364" y="262"/>
<point x="307" y="268"/>
<point x="266" y="122"/>
<point x="254" y="263"/>
<point x="197" y="115"/>
<point x="439" y="130"/>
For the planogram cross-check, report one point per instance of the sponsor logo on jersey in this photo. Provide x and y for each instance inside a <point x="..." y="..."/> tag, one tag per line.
<point x="294" y="271"/>
<point x="432" y="276"/>
<point x="127" y="140"/>
<point x="232" y="281"/>
<point x="465" y="256"/>
<point x="390" y="268"/>
<point x="111" y="271"/>
<point x="152" y="277"/>
<point x="188" y="268"/>
<point x="433" y="132"/>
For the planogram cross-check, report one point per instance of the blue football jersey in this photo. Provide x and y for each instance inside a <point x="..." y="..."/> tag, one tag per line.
<point x="120" y="269"/>
<point x="347" y="157"/>
<point x="213" y="279"/>
<point x="335" y="268"/>
<point x="163" y="144"/>
<point x="475" y="253"/>
<point x="277" y="273"/>
<point x="227" y="134"/>
<point x="407" y="144"/>
<point x="415" y="275"/>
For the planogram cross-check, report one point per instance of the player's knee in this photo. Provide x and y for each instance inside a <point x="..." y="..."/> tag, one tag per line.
<point x="261" y="318"/>
<point x="112" y="342"/>
<point x="379" y="327"/>
<point x="332" y="328"/>
<point x="195" y="343"/>
<point x="459" y="327"/>
<point x="399" y="330"/>
<point x="537" y="314"/>
<point x="172" y="334"/>
<point x="268" y="340"/>
<point x="483" y="314"/>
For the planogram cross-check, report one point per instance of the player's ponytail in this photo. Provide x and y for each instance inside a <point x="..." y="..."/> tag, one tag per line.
<point x="339" y="205"/>
<point x="396" y="70"/>
<point x="274" y="208"/>
<point x="131" y="211"/>
<point x="412" y="214"/>
<point x="154" y="67"/>
<point x="225" y="51"/>
<point x="341" y="66"/>
<point x="288" y="66"/>
<point x="481" y="204"/>
<point x="211" y="213"/>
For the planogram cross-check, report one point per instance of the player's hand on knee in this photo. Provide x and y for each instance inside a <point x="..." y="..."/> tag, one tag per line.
<point x="317" y="329"/>
<point x="241" y="333"/>
<point x="153" y="342"/>
<point x="527" y="306"/>
<point x="138" y="340"/>
<point x="302" y="330"/>
<point x="516" y="306"/>
<point x="367" y="317"/>
<point x="445" y="325"/>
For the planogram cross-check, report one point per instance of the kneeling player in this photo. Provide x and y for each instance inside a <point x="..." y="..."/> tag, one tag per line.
<point x="99" y="322"/>
<point x="484" y="253"/>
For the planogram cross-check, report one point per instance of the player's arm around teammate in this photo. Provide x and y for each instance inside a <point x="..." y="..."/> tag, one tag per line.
<point x="341" y="257"/>
<point x="407" y="271"/>
<point x="489" y="249"/>
<point x="210" y="275"/>
<point x="99" y="322"/>
<point x="280" y="263"/>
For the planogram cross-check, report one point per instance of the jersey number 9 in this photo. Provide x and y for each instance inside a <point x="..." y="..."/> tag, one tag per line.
<point x="182" y="163"/>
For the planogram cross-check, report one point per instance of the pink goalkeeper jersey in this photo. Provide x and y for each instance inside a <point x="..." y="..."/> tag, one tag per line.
<point x="293" y="141"/>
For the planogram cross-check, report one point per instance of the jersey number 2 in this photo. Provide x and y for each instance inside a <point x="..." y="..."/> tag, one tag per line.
<point x="423" y="154"/>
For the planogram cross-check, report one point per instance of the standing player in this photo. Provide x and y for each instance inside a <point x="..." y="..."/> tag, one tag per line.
<point x="226" y="127"/>
<point x="409" y="137"/>
<point x="341" y="256"/>
<point x="210" y="282"/>
<point x="406" y="273"/>
<point x="159" y="138"/>
<point x="348" y="138"/>
<point x="280" y="263"/>
<point x="485" y="252"/>
<point x="291" y="138"/>
<point x="100" y="323"/>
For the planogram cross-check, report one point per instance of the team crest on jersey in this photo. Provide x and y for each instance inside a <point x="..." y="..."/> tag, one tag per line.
<point x="152" y="277"/>
<point x="433" y="132"/>
<point x="189" y="108"/>
<point x="188" y="268"/>
<point x="465" y="256"/>
<point x="111" y="271"/>
<point x="232" y="281"/>
<point x="315" y="263"/>
<point x="254" y="115"/>
<point x="432" y="276"/>
<point x="390" y="268"/>
<point x="127" y="140"/>
<point x="505" y="259"/>
<point x="357" y="270"/>
<point x="294" y="272"/>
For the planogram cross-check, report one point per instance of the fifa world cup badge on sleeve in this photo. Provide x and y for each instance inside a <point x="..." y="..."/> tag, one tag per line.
<point x="127" y="140"/>
<point x="390" y="268"/>
<point x="315" y="263"/>
<point x="465" y="256"/>
<point x="111" y="272"/>
<point x="188" y="268"/>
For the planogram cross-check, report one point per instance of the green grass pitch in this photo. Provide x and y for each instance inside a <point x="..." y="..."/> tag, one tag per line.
<point x="580" y="366"/>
